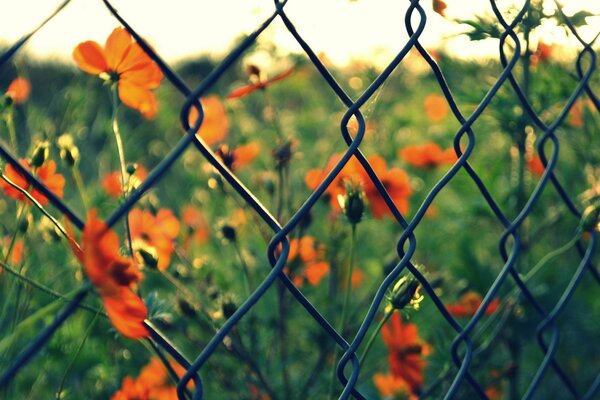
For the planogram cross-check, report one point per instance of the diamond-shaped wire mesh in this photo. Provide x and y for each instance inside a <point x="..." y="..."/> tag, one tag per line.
<point x="511" y="244"/>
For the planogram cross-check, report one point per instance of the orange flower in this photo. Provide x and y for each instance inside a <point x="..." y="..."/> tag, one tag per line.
<point x="357" y="278"/>
<point x="153" y="383"/>
<point x="468" y="304"/>
<point x="303" y="251"/>
<point x="260" y="84"/>
<point x="238" y="157"/>
<point x="576" y="114"/>
<point x="46" y="174"/>
<point x="542" y="53"/>
<point x="18" y="90"/>
<point x="157" y="231"/>
<point x="113" y="276"/>
<point x="123" y="61"/>
<point x="427" y="154"/>
<point x="406" y="352"/>
<point x="534" y="164"/>
<point x="394" y="180"/>
<point x="436" y="107"/>
<point x="112" y="181"/>
<point x="389" y="386"/>
<point x="439" y="7"/>
<point x="215" y="124"/>
<point x="16" y="254"/>
<point x="193" y="219"/>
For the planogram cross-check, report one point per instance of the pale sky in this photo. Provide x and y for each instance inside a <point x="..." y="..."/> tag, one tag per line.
<point x="342" y="29"/>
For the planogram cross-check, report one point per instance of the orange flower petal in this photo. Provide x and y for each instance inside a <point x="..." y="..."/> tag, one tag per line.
<point x="167" y="223"/>
<point x="18" y="90"/>
<point x="90" y="58"/>
<point x="243" y="91"/>
<point x="243" y="155"/>
<point x="315" y="271"/>
<point x="215" y="124"/>
<point x="127" y="313"/>
<point x="436" y="107"/>
<point x="138" y="98"/>
<point x="116" y="47"/>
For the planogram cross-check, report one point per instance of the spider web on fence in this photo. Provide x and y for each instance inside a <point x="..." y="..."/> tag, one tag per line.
<point x="510" y="242"/>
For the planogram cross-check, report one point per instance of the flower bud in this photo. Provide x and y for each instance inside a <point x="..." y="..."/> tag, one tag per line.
<point x="186" y="308"/>
<point x="228" y="307"/>
<point x="353" y="203"/>
<point x="147" y="254"/>
<point x="405" y="292"/>
<point x="25" y="222"/>
<point x="283" y="153"/>
<point x="227" y="232"/>
<point x="591" y="217"/>
<point x="40" y="154"/>
<point x="131" y="168"/>
<point x="69" y="153"/>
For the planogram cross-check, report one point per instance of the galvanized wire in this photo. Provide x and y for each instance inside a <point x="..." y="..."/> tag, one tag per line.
<point x="463" y="349"/>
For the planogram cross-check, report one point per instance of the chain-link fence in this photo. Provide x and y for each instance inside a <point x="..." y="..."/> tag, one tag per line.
<point x="512" y="246"/>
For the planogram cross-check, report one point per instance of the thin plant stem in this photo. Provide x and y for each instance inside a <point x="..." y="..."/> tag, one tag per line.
<point x="122" y="164"/>
<point x="80" y="186"/>
<point x="79" y="348"/>
<point x="46" y="289"/>
<point x="375" y="333"/>
<point x="347" y="288"/>
<point x="10" y="125"/>
<point x="28" y="324"/>
<point x="39" y="207"/>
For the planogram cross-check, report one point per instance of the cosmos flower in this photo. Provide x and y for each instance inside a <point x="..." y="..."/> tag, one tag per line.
<point x="123" y="61"/>
<point x="46" y="174"/>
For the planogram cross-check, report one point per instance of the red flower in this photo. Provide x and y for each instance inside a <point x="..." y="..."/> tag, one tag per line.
<point x="113" y="276"/>
<point x="18" y="90"/>
<point x="394" y="180"/>
<point x="468" y="304"/>
<point x="46" y="174"/>
<point x="260" y="84"/>
<point x="406" y="352"/>
<point x="427" y="155"/>
<point x="123" y="60"/>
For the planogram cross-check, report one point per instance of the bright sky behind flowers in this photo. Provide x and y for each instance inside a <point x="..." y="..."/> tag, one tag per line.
<point x="342" y="29"/>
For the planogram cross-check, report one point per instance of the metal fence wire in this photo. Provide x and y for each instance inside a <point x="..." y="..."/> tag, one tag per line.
<point x="511" y="246"/>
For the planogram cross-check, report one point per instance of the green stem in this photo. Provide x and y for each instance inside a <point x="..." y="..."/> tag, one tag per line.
<point x="10" y="125"/>
<point x="80" y="186"/>
<point x="245" y="270"/>
<point x="122" y="164"/>
<point x="348" y="279"/>
<point x="79" y="348"/>
<point x="28" y="325"/>
<point x="374" y="335"/>
<point x="344" y="307"/>
<point x="37" y="205"/>
<point x="44" y="288"/>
